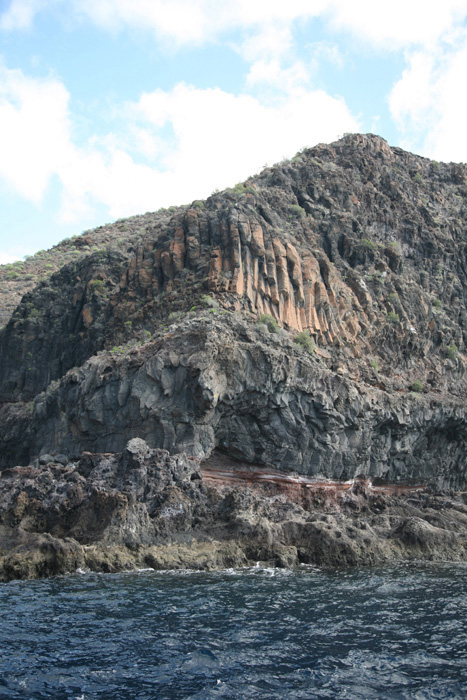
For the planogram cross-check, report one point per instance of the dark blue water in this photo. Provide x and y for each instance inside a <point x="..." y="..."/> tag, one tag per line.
<point x="398" y="632"/>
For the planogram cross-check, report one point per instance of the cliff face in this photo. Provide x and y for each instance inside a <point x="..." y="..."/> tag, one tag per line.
<point x="146" y="508"/>
<point x="361" y="246"/>
<point x="221" y="382"/>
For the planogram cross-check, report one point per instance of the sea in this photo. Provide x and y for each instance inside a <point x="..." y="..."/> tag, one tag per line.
<point x="393" y="632"/>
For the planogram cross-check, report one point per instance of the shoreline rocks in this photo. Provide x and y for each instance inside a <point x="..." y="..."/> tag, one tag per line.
<point x="144" y="508"/>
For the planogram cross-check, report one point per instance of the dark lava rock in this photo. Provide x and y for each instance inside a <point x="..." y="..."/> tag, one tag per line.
<point x="143" y="507"/>
<point x="310" y="320"/>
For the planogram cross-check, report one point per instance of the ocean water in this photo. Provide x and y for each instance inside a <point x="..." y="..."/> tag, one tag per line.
<point x="395" y="632"/>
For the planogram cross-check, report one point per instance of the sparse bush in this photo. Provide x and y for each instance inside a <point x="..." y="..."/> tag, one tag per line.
<point x="395" y="247"/>
<point x="367" y="243"/>
<point x="417" y="386"/>
<point x="241" y="190"/>
<point x="436" y="303"/>
<point x="393" y="298"/>
<point x="298" y="211"/>
<point x="270" y="322"/>
<point x="207" y="300"/>
<point x="417" y="178"/>
<point x="96" y="285"/>
<point x="392" y="317"/>
<point x="374" y="364"/>
<point x="304" y="340"/>
<point x="451" y="351"/>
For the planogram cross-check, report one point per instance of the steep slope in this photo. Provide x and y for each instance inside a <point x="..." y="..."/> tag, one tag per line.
<point x="356" y="250"/>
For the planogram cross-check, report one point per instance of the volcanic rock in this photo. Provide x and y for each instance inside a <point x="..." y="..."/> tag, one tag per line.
<point x="309" y="321"/>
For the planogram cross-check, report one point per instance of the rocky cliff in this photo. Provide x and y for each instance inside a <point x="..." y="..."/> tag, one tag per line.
<point x="145" y="508"/>
<point x="358" y="248"/>
<point x="310" y="320"/>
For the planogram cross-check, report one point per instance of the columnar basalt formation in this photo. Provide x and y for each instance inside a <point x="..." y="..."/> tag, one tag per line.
<point x="356" y="250"/>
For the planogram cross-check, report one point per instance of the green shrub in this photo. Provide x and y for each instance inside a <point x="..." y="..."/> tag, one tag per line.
<point x="374" y="364"/>
<point x="417" y="386"/>
<point x="207" y="300"/>
<point x="304" y="340"/>
<point x="198" y="204"/>
<point x="96" y="285"/>
<point x="298" y="211"/>
<point x="270" y="322"/>
<point x="395" y="247"/>
<point x="369" y="244"/>
<point x="436" y="303"/>
<point x="417" y="178"/>
<point x="451" y="351"/>
<point x="393" y="317"/>
<point x="240" y="190"/>
<point x="393" y="298"/>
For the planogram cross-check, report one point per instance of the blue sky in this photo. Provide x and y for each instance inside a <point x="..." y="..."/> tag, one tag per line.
<point x="110" y="108"/>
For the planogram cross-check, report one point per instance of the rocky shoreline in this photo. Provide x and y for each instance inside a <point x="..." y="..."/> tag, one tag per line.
<point x="143" y="508"/>
<point x="275" y="374"/>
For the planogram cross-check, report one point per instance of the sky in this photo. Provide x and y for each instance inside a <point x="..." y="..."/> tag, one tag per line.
<point x="110" y="108"/>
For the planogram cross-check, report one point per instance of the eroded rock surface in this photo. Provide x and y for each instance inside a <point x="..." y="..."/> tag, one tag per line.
<point x="311" y="320"/>
<point x="222" y="381"/>
<point x="145" y="508"/>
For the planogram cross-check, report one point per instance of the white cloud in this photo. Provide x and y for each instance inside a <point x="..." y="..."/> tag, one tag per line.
<point x="182" y="21"/>
<point x="272" y="72"/>
<point x="325" y="52"/>
<point x="223" y="138"/>
<point x="187" y="21"/>
<point x="397" y="24"/>
<point x="429" y="103"/>
<point x="394" y="25"/>
<point x="218" y="138"/>
<point x="6" y="258"/>
<point x="34" y="131"/>
<point x="20" y="14"/>
<point x="270" y="40"/>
